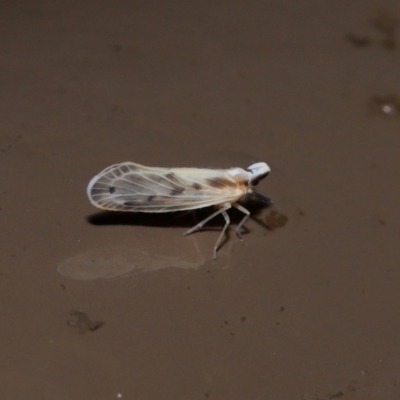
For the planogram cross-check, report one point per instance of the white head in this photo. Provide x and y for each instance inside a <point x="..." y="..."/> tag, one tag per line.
<point x="258" y="171"/>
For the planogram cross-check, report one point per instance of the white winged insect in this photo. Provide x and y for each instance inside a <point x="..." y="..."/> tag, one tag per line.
<point x="136" y="188"/>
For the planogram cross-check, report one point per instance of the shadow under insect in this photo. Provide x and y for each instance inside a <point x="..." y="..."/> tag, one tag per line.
<point x="179" y="219"/>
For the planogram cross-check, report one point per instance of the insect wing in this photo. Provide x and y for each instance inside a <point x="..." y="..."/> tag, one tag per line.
<point x="133" y="187"/>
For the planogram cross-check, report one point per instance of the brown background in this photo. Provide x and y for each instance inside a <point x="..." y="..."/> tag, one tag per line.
<point x="306" y="311"/>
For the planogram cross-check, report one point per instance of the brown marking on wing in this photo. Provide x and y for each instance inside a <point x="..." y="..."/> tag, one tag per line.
<point x="221" y="183"/>
<point x="244" y="186"/>
<point x="133" y="203"/>
<point x="174" y="179"/>
<point x="171" y="176"/>
<point x="197" y="186"/>
<point x="169" y="181"/>
<point x="117" y="173"/>
<point x="124" y="169"/>
<point x="176" y="191"/>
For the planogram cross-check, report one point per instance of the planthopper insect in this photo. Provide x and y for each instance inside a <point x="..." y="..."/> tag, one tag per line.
<point x="136" y="188"/>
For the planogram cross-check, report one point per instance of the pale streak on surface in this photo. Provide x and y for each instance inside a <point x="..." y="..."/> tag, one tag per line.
<point x="144" y="254"/>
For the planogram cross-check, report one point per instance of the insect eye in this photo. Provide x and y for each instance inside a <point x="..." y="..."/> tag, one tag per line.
<point x="257" y="179"/>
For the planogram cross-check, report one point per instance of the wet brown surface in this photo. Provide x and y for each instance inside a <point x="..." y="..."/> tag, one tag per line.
<point x="308" y="310"/>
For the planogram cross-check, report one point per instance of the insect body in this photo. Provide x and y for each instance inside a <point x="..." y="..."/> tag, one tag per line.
<point x="134" y="187"/>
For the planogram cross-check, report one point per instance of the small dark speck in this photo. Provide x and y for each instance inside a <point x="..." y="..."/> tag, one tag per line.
<point x="116" y="48"/>
<point x="62" y="286"/>
<point x="111" y="189"/>
<point x="188" y="288"/>
<point x="81" y="321"/>
<point x="282" y="309"/>
<point x="389" y="43"/>
<point x="176" y="192"/>
<point x="276" y="219"/>
<point x="358" y="40"/>
<point x="336" y="395"/>
<point x="384" y="22"/>
<point x="244" y="319"/>
<point x="207" y="394"/>
<point x="226" y="323"/>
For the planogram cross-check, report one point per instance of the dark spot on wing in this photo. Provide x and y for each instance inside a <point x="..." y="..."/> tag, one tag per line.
<point x="124" y="168"/>
<point x="170" y="176"/>
<point x="219" y="183"/>
<point x="176" y="191"/>
<point x="111" y="189"/>
<point x="173" y="178"/>
<point x="197" y="186"/>
<point x="150" y="198"/>
<point x="131" y="203"/>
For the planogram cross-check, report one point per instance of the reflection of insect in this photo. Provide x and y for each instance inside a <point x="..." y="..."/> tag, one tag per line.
<point x="134" y="187"/>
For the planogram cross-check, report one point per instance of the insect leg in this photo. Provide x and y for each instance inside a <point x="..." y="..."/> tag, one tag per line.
<point x="221" y="236"/>
<point x="202" y="223"/>
<point x="244" y="211"/>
